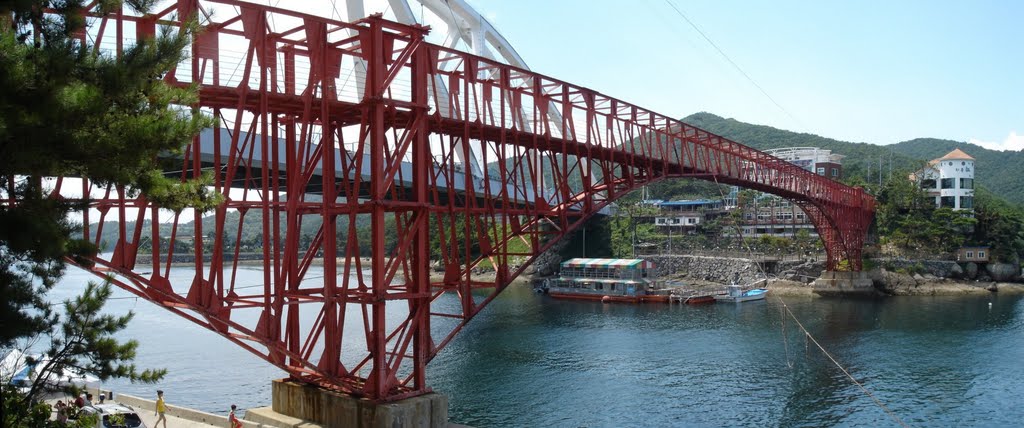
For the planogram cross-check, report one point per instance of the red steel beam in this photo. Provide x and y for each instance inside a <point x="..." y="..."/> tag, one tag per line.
<point x="298" y="140"/>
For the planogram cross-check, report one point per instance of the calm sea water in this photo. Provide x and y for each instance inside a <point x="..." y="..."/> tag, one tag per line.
<point x="532" y="361"/>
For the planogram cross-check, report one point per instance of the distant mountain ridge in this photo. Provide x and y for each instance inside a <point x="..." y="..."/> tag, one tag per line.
<point x="998" y="171"/>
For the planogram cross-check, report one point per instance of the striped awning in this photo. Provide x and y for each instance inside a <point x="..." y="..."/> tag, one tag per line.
<point x="608" y="263"/>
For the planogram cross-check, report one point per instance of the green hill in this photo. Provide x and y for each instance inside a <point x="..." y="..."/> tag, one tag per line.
<point x="997" y="171"/>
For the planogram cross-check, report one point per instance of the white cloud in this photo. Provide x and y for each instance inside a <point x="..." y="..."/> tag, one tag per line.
<point x="1013" y="142"/>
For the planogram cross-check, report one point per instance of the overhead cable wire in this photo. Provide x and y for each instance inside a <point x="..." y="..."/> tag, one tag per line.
<point x="731" y="62"/>
<point x="809" y="336"/>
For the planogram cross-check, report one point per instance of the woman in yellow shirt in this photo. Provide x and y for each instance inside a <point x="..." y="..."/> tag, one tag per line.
<point x="161" y="407"/>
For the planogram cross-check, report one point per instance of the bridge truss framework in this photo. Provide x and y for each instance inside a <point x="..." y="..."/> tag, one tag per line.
<point x="298" y="125"/>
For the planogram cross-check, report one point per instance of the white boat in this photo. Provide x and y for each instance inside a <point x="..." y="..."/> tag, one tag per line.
<point x="21" y="370"/>
<point x="735" y="293"/>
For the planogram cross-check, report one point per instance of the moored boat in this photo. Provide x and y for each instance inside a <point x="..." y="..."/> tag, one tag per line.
<point x="607" y="280"/>
<point x="735" y="294"/>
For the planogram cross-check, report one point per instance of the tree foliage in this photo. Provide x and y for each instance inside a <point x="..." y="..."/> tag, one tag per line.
<point x="65" y="111"/>
<point x="70" y="109"/>
<point x="82" y="341"/>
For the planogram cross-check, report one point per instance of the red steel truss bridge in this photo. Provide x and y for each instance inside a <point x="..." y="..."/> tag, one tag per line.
<point x="449" y="158"/>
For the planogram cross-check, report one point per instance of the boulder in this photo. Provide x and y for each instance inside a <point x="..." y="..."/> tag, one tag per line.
<point x="971" y="270"/>
<point x="1003" y="272"/>
<point x="892" y="281"/>
<point x="956" y="271"/>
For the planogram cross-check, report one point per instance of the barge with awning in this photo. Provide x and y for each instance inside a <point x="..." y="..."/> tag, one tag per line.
<point x="607" y="280"/>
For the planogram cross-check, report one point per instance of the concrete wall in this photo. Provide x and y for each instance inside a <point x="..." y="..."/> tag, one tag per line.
<point x="335" y="409"/>
<point x="142" y="404"/>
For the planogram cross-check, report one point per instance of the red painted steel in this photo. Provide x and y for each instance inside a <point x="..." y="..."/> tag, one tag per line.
<point x="329" y="125"/>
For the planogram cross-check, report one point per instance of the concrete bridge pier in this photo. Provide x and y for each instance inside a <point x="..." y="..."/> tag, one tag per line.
<point x="301" y="403"/>
<point x="833" y="283"/>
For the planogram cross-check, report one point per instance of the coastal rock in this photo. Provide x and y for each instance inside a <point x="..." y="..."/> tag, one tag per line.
<point x="956" y="271"/>
<point x="971" y="270"/>
<point x="877" y="276"/>
<point x="1003" y="272"/>
<point x="893" y="281"/>
<point x="937" y="268"/>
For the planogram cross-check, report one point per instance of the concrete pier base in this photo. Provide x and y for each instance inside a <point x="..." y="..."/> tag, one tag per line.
<point x="844" y="284"/>
<point x="334" y="409"/>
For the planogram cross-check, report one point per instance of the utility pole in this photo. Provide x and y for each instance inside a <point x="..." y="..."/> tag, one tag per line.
<point x="890" y="162"/>
<point x="879" y="172"/>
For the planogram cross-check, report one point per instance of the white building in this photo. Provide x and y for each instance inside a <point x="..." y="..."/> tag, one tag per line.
<point x="950" y="180"/>
<point x="813" y="159"/>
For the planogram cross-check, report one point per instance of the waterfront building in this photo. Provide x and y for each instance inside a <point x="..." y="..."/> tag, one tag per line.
<point x="761" y="215"/>
<point x="949" y="180"/>
<point x="813" y="159"/>
<point x="770" y="215"/>
<point x="684" y="216"/>
<point x="977" y="254"/>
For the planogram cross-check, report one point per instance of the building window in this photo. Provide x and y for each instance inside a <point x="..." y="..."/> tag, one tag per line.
<point x="948" y="202"/>
<point x="967" y="202"/>
<point x="981" y="254"/>
<point x="966" y="183"/>
<point x="948" y="183"/>
<point x="928" y="184"/>
<point x="821" y="170"/>
<point x="970" y="254"/>
<point x="835" y="172"/>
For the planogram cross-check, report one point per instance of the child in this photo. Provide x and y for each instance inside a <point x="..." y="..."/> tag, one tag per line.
<point x="161" y="407"/>
<point x="235" y="423"/>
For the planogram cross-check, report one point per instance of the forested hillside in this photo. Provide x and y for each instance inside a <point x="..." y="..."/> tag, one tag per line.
<point x="862" y="159"/>
<point x="997" y="171"/>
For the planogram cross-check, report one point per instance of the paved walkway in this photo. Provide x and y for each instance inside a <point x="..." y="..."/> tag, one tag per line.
<point x="172" y="421"/>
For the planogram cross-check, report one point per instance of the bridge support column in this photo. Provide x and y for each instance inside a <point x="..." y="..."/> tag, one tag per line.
<point x="335" y="409"/>
<point x="833" y="283"/>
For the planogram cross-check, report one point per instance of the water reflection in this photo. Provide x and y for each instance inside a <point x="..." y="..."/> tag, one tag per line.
<point x="529" y="360"/>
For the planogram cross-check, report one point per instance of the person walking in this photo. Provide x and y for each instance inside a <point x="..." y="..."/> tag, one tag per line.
<point x="232" y="419"/>
<point x="161" y="408"/>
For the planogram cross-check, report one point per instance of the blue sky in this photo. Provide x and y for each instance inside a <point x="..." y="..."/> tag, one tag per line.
<point x="868" y="71"/>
